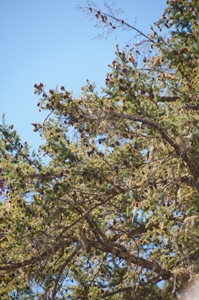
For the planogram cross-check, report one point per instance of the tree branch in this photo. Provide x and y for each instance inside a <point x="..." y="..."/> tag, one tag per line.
<point x="34" y="259"/>
<point x="168" y="99"/>
<point x="189" y="106"/>
<point x="87" y="212"/>
<point x="122" y="22"/>
<point x="134" y="231"/>
<point x="165" y="136"/>
<point x="55" y="290"/>
<point x="190" y="181"/>
<point x="151" y="123"/>
<point x="125" y="289"/>
<point x="128" y="25"/>
<point x="93" y="228"/>
<point x="191" y="256"/>
<point x="141" y="262"/>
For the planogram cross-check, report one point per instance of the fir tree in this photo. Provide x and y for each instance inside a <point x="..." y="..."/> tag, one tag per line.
<point x="115" y="210"/>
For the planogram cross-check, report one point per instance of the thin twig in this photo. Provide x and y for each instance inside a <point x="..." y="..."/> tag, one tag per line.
<point x="46" y="119"/>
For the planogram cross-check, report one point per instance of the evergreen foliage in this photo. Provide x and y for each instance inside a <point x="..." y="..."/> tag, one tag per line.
<point x="114" y="212"/>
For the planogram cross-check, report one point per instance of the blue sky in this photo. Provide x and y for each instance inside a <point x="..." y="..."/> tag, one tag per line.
<point x="49" y="41"/>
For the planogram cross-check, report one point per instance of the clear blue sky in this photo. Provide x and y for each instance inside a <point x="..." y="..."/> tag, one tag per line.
<point x="49" y="41"/>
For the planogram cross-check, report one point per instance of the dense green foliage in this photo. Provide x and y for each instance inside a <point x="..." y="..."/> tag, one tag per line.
<point x="113" y="212"/>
